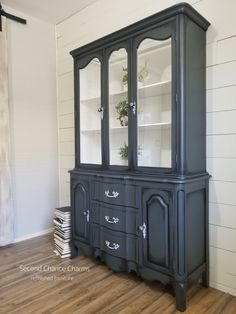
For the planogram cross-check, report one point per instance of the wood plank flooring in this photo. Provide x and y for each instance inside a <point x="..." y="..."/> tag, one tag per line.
<point x="34" y="280"/>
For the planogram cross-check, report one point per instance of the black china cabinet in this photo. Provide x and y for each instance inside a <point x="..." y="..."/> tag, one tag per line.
<point x="139" y="189"/>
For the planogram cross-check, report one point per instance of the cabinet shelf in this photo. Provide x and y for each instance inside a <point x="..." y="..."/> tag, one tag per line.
<point x="150" y="90"/>
<point x="155" y="89"/>
<point x="147" y="126"/>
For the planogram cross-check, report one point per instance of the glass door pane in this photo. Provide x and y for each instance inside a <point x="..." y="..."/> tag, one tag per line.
<point x="91" y="113"/>
<point x="154" y="103"/>
<point x="118" y="108"/>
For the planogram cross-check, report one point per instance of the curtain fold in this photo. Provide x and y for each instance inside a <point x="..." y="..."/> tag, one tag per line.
<point x="6" y="206"/>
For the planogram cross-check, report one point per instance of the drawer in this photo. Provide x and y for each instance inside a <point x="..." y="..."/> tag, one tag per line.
<point x="115" y="193"/>
<point x="117" y="218"/>
<point x="115" y="243"/>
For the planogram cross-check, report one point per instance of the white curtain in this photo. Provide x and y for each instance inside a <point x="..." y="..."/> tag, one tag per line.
<point x="6" y="208"/>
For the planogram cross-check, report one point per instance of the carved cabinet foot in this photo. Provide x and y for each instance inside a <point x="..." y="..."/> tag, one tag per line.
<point x="180" y="295"/>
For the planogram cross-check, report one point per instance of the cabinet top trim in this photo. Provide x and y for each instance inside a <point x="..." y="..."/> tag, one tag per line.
<point x="130" y="176"/>
<point x="181" y="8"/>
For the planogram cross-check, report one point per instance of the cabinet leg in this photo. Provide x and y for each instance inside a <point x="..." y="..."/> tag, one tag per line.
<point x="74" y="250"/>
<point x="205" y="278"/>
<point x="180" y="296"/>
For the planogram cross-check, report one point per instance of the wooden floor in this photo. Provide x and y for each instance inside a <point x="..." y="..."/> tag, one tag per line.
<point x="27" y="288"/>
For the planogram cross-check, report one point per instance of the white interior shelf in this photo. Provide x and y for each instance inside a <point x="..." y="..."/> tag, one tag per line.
<point x="150" y="126"/>
<point x="150" y="90"/>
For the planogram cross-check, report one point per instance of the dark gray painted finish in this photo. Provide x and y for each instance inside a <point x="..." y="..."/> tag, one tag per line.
<point x="118" y="218"/>
<point x="115" y="193"/>
<point x="112" y="206"/>
<point x="156" y="215"/>
<point x="80" y="213"/>
<point x="116" y="243"/>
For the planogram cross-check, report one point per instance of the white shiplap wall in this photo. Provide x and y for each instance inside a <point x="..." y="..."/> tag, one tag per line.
<point x="106" y="16"/>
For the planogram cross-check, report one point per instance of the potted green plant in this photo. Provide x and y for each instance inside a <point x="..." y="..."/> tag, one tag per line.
<point x="122" y="110"/>
<point x="123" y="152"/>
<point x="142" y="74"/>
<point x="125" y="77"/>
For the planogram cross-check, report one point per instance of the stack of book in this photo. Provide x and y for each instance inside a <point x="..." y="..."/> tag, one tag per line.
<point x="62" y="231"/>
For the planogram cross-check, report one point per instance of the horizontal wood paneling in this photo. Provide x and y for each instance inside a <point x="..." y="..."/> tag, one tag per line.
<point x="66" y="121"/>
<point x="223" y="281"/>
<point x="221" y="238"/>
<point x="221" y="99"/>
<point x="67" y="148"/>
<point x="67" y="162"/>
<point x="64" y="175"/>
<point x="221" y="75"/>
<point x="222" y="169"/>
<point x="65" y="87"/>
<point x="222" y="17"/>
<point x="66" y="135"/>
<point x="222" y="215"/>
<point x="64" y="190"/>
<point x="211" y="54"/>
<point x="222" y="192"/>
<point x="226" y="49"/>
<point x="65" y="66"/>
<point x="221" y="51"/>
<point x="223" y="262"/>
<point x="65" y="107"/>
<point x="222" y="269"/>
<point x="222" y="122"/>
<point x="221" y="146"/>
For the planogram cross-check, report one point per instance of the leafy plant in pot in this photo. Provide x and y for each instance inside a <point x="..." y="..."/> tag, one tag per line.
<point x="125" y="77"/>
<point x="142" y="75"/>
<point x="122" y="110"/>
<point x="123" y="152"/>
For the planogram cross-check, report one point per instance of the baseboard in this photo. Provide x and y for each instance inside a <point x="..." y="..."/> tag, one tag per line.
<point x="223" y="288"/>
<point x="33" y="235"/>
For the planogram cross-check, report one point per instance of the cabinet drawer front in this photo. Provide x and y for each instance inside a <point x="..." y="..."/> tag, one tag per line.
<point x="117" y="194"/>
<point x="115" y="217"/>
<point x="115" y="243"/>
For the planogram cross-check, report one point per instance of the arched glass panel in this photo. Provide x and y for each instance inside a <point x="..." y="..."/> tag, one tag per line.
<point x="118" y="108"/>
<point x="154" y="103"/>
<point x="90" y="113"/>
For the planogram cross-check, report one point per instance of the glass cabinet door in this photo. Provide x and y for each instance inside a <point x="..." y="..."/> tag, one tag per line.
<point x="154" y="103"/>
<point x="91" y="113"/>
<point x="118" y="108"/>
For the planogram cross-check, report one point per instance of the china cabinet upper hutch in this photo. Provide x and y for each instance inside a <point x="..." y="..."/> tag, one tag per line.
<point x="139" y="189"/>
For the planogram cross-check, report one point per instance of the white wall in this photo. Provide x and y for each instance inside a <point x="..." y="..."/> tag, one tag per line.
<point x="32" y="95"/>
<point x="104" y="17"/>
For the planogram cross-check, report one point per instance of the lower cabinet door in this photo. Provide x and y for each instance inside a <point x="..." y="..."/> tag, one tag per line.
<point x="80" y="210"/>
<point x="154" y="229"/>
